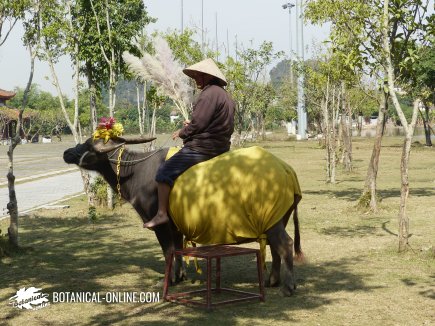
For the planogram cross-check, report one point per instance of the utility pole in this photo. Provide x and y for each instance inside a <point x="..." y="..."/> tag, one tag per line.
<point x="237" y="59"/>
<point x="182" y="18"/>
<point x="302" y="115"/>
<point x="301" y="90"/>
<point x="289" y="6"/>
<point x="202" y="27"/>
<point x="217" y="43"/>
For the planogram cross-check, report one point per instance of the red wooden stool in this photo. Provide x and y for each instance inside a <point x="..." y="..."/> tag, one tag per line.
<point x="209" y="253"/>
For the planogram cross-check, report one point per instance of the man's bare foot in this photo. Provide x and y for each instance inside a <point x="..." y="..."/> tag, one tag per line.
<point x="160" y="218"/>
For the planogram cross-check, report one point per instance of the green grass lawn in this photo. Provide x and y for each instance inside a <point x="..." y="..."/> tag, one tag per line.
<point x="353" y="274"/>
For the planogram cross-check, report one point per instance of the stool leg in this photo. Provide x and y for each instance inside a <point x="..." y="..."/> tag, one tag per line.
<point x="167" y="276"/>
<point x="208" y="283"/>
<point x="218" y="274"/>
<point x="260" y="277"/>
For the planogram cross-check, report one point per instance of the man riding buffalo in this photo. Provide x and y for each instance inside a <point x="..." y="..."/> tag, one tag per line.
<point x="205" y="136"/>
<point x="240" y="196"/>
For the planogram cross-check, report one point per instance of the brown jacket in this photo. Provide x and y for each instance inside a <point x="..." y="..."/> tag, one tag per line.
<point x="212" y="122"/>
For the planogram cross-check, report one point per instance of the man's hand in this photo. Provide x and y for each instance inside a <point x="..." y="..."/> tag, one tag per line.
<point x="176" y="134"/>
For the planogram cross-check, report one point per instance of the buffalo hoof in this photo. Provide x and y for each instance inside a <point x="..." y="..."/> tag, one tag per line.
<point x="272" y="282"/>
<point x="287" y="291"/>
<point x="180" y="278"/>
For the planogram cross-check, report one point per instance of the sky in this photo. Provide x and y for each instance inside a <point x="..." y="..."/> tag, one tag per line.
<point x="245" y="22"/>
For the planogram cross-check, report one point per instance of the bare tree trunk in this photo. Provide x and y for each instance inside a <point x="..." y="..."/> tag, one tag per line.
<point x="55" y="81"/>
<point x="404" y="190"/>
<point x="346" y="132"/>
<point x="12" y="205"/>
<point x="327" y="133"/>
<point x="404" y="193"/>
<point x="262" y="126"/>
<point x="372" y="171"/>
<point x="139" y="109"/>
<point x="110" y="198"/>
<point x="409" y="131"/>
<point x="426" y="124"/>
<point x="333" y="142"/>
<point x="152" y="132"/>
<point x="92" y="96"/>
<point x="359" y="125"/>
<point x="237" y="141"/>
<point x="145" y="116"/>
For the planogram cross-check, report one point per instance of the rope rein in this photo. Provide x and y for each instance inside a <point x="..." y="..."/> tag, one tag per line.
<point x="118" y="174"/>
<point x="120" y="162"/>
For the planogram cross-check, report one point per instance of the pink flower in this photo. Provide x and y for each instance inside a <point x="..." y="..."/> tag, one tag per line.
<point x="106" y="123"/>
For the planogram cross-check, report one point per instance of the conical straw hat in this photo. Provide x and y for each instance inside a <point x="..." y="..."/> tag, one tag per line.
<point x="207" y="66"/>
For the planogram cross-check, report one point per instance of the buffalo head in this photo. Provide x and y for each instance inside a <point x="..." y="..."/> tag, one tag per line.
<point x="90" y="153"/>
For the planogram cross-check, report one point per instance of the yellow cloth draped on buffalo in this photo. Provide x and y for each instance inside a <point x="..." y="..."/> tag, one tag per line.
<point x="235" y="196"/>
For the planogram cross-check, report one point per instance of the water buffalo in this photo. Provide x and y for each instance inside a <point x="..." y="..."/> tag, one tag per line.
<point x="137" y="185"/>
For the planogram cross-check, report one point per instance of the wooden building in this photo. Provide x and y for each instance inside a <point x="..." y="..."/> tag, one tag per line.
<point x="8" y="117"/>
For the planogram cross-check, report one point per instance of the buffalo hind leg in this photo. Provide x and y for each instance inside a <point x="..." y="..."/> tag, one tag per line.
<point x="282" y="244"/>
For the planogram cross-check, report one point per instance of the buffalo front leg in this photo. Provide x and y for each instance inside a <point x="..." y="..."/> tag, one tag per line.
<point x="275" y="274"/>
<point x="169" y="241"/>
<point x="282" y="244"/>
<point x="179" y="271"/>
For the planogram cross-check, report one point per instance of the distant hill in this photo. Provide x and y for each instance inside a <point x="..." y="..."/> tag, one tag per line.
<point x="279" y="72"/>
<point x="125" y="93"/>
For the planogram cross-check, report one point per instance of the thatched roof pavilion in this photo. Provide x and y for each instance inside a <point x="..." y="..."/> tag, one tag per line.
<point x="5" y="95"/>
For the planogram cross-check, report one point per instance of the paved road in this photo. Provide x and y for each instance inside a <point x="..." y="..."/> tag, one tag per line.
<point x="43" y="191"/>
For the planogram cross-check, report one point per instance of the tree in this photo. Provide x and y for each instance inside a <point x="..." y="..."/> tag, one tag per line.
<point x="31" y="41"/>
<point x="116" y="23"/>
<point x="60" y="37"/>
<point x="284" y="107"/>
<point x="286" y="97"/>
<point x="245" y="77"/>
<point x="184" y="48"/>
<point x="110" y="26"/>
<point x="323" y="94"/>
<point x="11" y="11"/>
<point x="421" y="76"/>
<point x="406" y="16"/>
<point x="384" y="35"/>
<point x="351" y="37"/>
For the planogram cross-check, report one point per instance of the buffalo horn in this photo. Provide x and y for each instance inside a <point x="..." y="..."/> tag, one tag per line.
<point x="110" y="146"/>
<point x="135" y="140"/>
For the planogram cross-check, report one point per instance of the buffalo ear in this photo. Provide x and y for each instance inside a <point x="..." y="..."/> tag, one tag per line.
<point x="111" y="145"/>
<point x="135" y="140"/>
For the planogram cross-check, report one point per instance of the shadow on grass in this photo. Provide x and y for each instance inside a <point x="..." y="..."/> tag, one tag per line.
<point x="353" y="194"/>
<point x="316" y="287"/>
<point x="384" y="227"/>
<point x="72" y="255"/>
<point x="349" y="231"/>
<point x="426" y="288"/>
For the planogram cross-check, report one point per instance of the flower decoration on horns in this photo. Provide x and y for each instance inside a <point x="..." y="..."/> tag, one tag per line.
<point x="107" y="129"/>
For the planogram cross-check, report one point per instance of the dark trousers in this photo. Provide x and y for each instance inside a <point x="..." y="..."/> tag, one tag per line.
<point x="177" y="164"/>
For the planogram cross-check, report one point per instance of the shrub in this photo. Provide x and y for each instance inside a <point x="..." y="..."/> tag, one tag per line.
<point x="99" y="190"/>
